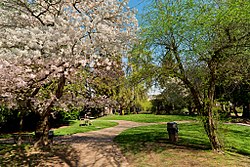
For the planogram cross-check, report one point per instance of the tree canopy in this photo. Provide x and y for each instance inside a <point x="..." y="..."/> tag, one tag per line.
<point x="193" y="41"/>
<point x="46" y="47"/>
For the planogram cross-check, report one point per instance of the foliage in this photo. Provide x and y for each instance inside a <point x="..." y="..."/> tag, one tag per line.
<point x="67" y="115"/>
<point x="129" y="95"/>
<point x="233" y="83"/>
<point x="10" y="120"/>
<point x="174" y="94"/>
<point x="191" y="41"/>
<point x="5" y="113"/>
<point x="60" y="44"/>
<point x="51" y="52"/>
<point x="146" y="105"/>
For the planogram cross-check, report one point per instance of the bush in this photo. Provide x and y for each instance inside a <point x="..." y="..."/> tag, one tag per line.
<point x="63" y="117"/>
<point x="10" y="120"/>
<point x="146" y="105"/>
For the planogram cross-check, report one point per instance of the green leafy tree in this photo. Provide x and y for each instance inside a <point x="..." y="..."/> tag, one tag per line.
<point x="234" y="83"/>
<point x="191" y="40"/>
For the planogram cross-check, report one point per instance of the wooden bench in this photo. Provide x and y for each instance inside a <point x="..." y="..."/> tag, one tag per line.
<point x="85" y="121"/>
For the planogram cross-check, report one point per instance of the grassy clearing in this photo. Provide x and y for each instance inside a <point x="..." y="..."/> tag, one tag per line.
<point x="149" y="146"/>
<point x="148" y="118"/>
<point x="75" y="128"/>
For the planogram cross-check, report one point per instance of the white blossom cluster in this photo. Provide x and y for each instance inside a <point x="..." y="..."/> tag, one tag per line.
<point x="41" y="41"/>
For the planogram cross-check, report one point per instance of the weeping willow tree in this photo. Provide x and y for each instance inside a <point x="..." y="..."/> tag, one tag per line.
<point x="190" y="40"/>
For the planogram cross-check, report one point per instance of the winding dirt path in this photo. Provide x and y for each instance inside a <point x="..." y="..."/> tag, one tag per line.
<point x="96" y="148"/>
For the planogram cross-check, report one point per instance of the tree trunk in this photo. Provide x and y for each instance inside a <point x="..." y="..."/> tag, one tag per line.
<point x="210" y="125"/>
<point x="19" y="139"/>
<point x="246" y="110"/>
<point x="206" y="112"/>
<point x="204" y="106"/>
<point x="42" y="131"/>
<point x="234" y="110"/>
<point x="43" y="127"/>
<point x="223" y="107"/>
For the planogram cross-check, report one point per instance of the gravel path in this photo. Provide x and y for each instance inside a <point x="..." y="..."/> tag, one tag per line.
<point x="96" y="148"/>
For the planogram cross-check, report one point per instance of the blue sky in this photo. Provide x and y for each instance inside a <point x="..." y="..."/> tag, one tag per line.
<point x="139" y="5"/>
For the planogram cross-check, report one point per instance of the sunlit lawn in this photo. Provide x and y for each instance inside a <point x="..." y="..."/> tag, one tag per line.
<point x="149" y="118"/>
<point x="149" y="146"/>
<point x="75" y="127"/>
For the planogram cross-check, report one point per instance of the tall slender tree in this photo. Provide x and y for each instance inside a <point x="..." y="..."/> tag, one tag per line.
<point x="190" y="40"/>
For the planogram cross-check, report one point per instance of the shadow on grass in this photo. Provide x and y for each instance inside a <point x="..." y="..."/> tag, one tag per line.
<point x="155" y="138"/>
<point x="24" y="155"/>
<point x="242" y="152"/>
<point x="157" y="142"/>
<point x="191" y="136"/>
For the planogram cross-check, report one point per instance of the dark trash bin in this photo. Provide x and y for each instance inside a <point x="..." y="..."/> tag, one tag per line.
<point x="50" y="136"/>
<point x="172" y="129"/>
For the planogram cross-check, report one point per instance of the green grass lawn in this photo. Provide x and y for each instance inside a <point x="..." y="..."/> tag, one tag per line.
<point x="236" y="138"/>
<point x="75" y="127"/>
<point x="141" y="143"/>
<point x="149" y="145"/>
<point x="148" y="118"/>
